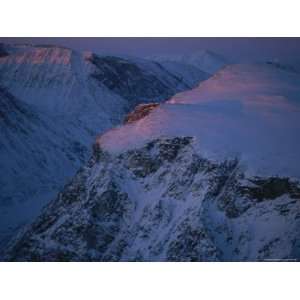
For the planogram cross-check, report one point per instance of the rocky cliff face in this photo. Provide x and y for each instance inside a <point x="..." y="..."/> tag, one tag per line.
<point x="141" y="111"/>
<point x="165" y="202"/>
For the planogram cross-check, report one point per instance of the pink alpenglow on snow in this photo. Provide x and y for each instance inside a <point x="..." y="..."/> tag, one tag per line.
<point x="246" y="111"/>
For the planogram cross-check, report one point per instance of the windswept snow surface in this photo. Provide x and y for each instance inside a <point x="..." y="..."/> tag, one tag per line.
<point x="247" y="111"/>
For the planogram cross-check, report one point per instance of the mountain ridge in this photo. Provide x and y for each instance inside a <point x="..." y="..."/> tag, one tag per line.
<point x="205" y="60"/>
<point x="66" y="104"/>
<point x="178" y="182"/>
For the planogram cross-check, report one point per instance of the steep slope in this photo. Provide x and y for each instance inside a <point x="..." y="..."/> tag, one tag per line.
<point x="139" y="80"/>
<point x="57" y="81"/>
<point x="187" y="73"/>
<point x="37" y="153"/>
<point x="205" y="60"/>
<point x="213" y="174"/>
<point x="54" y="103"/>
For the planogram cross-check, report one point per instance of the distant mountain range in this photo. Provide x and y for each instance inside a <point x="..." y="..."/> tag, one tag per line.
<point x="204" y="60"/>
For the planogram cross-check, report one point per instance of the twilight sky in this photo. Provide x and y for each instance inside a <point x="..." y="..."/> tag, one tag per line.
<point x="236" y="49"/>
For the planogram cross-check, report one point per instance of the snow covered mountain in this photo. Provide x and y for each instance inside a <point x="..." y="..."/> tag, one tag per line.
<point x="205" y="60"/>
<point x="213" y="174"/>
<point x="54" y="101"/>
